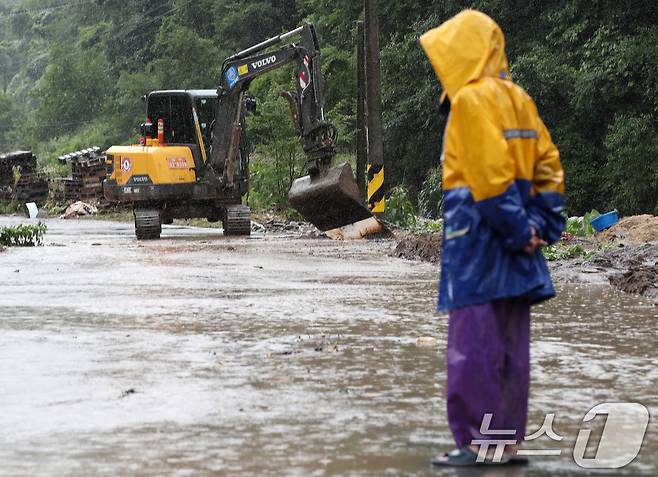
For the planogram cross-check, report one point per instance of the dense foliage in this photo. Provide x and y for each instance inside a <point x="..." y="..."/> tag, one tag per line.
<point x="72" y="73"/>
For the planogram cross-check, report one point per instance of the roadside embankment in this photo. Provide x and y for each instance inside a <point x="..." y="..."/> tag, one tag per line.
<point x="624" y="256"/>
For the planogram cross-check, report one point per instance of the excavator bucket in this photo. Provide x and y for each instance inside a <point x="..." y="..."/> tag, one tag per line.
<point x="330" y="199"/>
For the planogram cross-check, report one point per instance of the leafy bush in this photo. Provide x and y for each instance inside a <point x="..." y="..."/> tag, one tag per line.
<point x="428" y="225"/>
<point x="560" y="251"/>
<point x="24" y="235"/>
<point x="430" y="197"/>
<point x="278" y="158"/>
<point x="580" y="226"/>
<point x="9" y="207"/>
<point x="277" y="161"/>
<point x="410" y="99"/>
<point x="94" y="133"/>
<point x="60" y="109"/>
<point x="272" y="170"/>
<point x="399" y="208"/>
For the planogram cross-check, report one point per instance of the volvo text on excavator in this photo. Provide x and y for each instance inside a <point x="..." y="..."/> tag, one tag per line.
<point x="193" y="160"/>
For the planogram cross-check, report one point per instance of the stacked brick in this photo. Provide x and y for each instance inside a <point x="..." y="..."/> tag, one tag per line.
<point x="87" y="175"/>
<point x="30" y="187"/>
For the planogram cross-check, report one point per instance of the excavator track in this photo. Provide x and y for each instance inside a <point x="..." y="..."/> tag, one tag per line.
<point x="147" y="224"/>
<point x="237" y="220"/>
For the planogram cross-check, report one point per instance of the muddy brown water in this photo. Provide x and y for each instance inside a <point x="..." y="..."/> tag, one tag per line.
<point x="205" y="355"/>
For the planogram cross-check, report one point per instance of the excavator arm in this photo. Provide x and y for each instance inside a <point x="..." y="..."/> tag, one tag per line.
<point x="317" y="136"/>
<point x="327" y="197"/>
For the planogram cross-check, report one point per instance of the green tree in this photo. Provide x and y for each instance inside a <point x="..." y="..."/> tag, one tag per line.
<point x="631" y="171"/>
<point x="242" y="23"/>
<point x="76" y="71"/>
<point x="184" y="59"/>
<point x="410" y="99"/>
<point x="278" y="158"/>
<point x="10" y="120"/>
<point x="72" y="91"/>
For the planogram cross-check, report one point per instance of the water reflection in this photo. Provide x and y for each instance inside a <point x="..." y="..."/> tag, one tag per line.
<point x="273" y="359"/>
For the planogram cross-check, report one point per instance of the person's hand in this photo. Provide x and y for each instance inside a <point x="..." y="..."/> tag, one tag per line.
<point x="535" y="242"/>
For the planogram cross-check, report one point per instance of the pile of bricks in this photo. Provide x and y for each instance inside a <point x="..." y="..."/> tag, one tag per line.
<point x="30" y="187"/>
<point x="87" y="175"/>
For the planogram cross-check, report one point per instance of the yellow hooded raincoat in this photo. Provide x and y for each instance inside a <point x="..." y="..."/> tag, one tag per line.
<point x="501" y="171"/>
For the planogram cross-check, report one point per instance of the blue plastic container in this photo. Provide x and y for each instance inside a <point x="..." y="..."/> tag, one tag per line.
<point x="605" y="221"/>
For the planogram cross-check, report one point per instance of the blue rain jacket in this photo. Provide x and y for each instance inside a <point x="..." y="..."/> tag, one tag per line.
<point x="501" y="171"/>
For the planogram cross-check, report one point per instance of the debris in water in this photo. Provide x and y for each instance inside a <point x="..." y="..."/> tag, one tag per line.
<point x="285" y="353"/>
<point x="302" y="229"/>
<point x="281" y="379"/>
<point x="257" y="227"/>
<point x="426" y="341"/>
<point x="127" y="392"/>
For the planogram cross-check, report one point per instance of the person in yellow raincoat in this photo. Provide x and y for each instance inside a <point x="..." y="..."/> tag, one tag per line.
<point x="503" y="191"/>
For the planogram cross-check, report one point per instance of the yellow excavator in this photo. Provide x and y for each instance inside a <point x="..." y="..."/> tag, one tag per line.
<point x="193" y="160"/>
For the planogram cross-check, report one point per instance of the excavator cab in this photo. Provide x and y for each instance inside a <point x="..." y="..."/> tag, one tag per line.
<point x="174" y="110"/>
<point x="186" y="118"/>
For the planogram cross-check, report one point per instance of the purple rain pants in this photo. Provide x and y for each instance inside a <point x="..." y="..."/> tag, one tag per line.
<point x="488" y="365"/>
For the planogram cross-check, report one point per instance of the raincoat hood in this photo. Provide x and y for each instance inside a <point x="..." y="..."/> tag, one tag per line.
<point x="466" y="48"/>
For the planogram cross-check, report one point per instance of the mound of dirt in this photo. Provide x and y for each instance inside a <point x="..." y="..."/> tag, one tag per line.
<point x="641" y="280"/>
<point x="626" y="257"/>
<point x="425" y="247"/>
<point x="633" y="229"/>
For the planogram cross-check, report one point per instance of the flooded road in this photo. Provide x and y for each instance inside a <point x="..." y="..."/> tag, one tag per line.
<point x="268" y="356"/>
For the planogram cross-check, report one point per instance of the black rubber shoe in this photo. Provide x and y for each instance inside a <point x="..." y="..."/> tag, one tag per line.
<point x="518" y="460"/>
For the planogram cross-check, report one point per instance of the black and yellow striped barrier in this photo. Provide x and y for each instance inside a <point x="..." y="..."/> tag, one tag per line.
<point x="376" y="198"/>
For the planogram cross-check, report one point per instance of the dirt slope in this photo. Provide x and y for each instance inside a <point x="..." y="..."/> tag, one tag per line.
<point x="636" y="229"/>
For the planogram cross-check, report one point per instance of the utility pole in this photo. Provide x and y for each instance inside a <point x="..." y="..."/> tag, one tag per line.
<point x="361" y="135"/>
<point x="374" y="108"/>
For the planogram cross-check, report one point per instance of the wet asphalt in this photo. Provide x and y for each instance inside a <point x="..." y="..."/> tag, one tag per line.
<point x="272" y="355"/>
